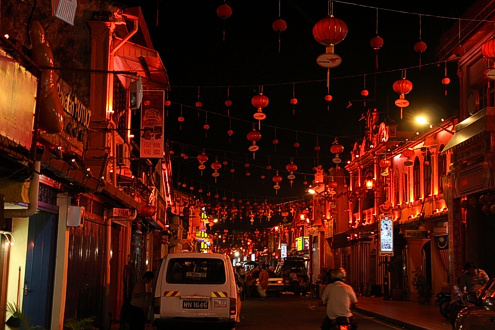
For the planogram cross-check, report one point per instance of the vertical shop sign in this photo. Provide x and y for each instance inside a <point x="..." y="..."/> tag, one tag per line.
<point x="152" y="125"/>
<point x="386" y="236"/>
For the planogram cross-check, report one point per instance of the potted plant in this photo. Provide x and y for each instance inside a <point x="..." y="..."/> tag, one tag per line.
<point x="422" y="286"/>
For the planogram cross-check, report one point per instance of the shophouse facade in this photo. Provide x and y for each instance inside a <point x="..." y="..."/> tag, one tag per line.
<point x="83" y="199"/>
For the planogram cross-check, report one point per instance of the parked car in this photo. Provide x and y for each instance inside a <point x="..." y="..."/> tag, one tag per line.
<point x="194" y="289"/>
<point x="481" y="315"/>
<point x="295" y="274"/>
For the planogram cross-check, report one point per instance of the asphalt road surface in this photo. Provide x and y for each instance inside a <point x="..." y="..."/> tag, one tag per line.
<point x="293" y="313"/>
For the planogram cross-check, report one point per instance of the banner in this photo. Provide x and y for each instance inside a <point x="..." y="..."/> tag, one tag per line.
<point x="152" y="125"/>
<point x="386" y="236"/>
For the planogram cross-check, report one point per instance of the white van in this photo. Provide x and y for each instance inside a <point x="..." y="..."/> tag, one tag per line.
<point x="196" y="288"/>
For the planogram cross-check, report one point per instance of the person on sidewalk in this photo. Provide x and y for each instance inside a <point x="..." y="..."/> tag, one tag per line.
<point x="263" y="282"/>
<point x="141" y="301"/>
<point x="338" y="296"/>
<point x="473" y="279"/>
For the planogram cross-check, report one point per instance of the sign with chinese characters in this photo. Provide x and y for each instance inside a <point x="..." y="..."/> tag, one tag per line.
<point x="283" y="251"/>
<point x="386" y="236"/>
<point x="152" y="109"/>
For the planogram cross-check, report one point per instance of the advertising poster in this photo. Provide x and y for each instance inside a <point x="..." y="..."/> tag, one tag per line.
<point x="152" y="125"/>
<point x="386" y="236"/>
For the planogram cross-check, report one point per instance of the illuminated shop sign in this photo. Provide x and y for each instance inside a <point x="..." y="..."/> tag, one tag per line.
<point x="302" y="243"/>
<point x="386" y="236"/>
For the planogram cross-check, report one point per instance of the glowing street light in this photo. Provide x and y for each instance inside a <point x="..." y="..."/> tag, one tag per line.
<point x="423" y="121"/>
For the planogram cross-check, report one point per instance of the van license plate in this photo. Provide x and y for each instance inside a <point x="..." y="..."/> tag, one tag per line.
<point x="195" y="304"/>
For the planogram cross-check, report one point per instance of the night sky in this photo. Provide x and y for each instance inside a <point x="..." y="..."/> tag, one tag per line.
<point x="189" y="37"/>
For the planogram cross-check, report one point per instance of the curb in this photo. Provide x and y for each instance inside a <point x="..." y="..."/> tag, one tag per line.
<point x="390" y="320"/>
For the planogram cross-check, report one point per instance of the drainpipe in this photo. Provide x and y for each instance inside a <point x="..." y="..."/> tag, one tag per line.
<point x="33" y="196"/>
<point x="108" y="257"/>
<point x="114" y="150"/>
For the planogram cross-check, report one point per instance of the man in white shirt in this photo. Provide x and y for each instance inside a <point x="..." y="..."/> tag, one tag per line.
<point x="338" y="297"/>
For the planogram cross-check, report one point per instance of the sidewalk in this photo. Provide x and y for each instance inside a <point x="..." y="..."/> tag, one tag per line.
<point x="410" y="315"/>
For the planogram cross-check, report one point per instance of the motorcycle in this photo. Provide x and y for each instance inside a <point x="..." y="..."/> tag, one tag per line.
<point x="457" y="303"/>
<point x="343" y="323"/>
<point x="340" y="323"/>
<point x="443" y="300"/>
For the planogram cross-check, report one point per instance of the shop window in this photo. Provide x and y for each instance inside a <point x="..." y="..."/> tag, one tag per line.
<point x="427" y="174"/>
<point x="442" y="169"/>
<point x="405" y="188"/>
<point x="396" y="188"/>
<point x="417" y="179"/>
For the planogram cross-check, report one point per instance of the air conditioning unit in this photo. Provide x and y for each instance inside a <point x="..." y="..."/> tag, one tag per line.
<point x="136" y="91"/>
<point x="123" y="155"/>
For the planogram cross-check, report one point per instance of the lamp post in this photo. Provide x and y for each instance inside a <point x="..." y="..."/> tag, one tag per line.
<point x="423" y="121"/>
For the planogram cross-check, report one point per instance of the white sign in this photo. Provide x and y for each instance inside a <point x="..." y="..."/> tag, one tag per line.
<point x="283" y="251"/>
<point x="386" y="236"/>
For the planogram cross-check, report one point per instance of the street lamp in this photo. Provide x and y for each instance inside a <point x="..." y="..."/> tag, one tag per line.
<point x="423" y="121"/>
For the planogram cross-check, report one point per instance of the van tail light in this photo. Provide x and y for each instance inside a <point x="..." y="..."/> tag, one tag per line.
<point x="233" y="306"/>
<point x="156" y="305"/>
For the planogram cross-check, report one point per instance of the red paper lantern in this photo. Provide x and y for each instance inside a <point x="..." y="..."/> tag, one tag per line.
<point x="202" y="158"/>
<point x="446" y="81"/>
<point x="253" y="136"/>
<point x="291" y="167"/>
<point x="215" y="166"/>
<point x="224" y="11"/>
<point x="408" y="153"/>
<point x="168" y="103"/>
<point x="148" y="210"/>
<point x="228" y="103"/>
<point x="402" y="87"/>
<point x="376" y="42"/>
<point x="277" y="179"/>
<point x="365" y="93"/>
<point x="336" y="148"/>
<point x="420" y="47"/>
<point x="488" y="49"/>
<point x="259" y="101"/>
<point x="198" y="104"/>
<point x="279" y="25"/>
<point x="293" y="101"/>
<point x="328" y="97"/>
<point x="384" y="163"/>
<point x="329" y="31"/>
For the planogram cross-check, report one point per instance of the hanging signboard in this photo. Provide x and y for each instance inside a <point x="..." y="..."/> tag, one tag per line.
<point x="283" y="251"/>
<point x="302" y="243"/>
<point x="386" y="236"/>
<point x="152" y="109"/>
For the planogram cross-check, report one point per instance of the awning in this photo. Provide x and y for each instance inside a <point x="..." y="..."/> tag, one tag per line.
<point x="144" y="61"/>
<point x="471" y="127"/>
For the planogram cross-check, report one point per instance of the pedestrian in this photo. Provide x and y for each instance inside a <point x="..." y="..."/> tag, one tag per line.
<point x="294" y="282"/>
<point x="141" y="301"/>
<point x="251" y="278"/>
<point x="263" y="282"/>
<point x="473" y="279"/>
<point x="338" y="296"/>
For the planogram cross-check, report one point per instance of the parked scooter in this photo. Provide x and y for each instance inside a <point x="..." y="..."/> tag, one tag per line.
<point x="443" y="301"/>
<point x="457" y="303"/>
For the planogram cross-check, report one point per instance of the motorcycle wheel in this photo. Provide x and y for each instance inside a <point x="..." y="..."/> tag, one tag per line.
<point x="445" y="309"/>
